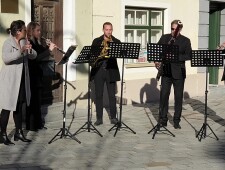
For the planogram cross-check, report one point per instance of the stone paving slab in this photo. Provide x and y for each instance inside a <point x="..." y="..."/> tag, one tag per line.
<point x="126" y="150"/>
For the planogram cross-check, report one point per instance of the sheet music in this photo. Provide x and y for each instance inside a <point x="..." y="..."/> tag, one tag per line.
<point x="67" y="55"/>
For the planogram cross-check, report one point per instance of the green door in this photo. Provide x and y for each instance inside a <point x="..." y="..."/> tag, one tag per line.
<point x="214" y="40"/>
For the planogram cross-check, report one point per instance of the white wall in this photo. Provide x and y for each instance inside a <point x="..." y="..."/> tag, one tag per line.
<point x="69" y="30"/>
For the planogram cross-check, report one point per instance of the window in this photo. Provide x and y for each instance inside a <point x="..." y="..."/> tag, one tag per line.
<point x="143" y="25"/>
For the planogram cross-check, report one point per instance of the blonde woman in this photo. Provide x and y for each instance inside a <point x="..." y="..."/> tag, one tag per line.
<point x="34" y="120"/>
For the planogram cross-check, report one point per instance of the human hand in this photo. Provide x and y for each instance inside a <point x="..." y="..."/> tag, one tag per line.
<point x="157" y="65"/>
<point x="26" y="48"/>
<point x="221" y="47"/>
<point x="52" y="46"/>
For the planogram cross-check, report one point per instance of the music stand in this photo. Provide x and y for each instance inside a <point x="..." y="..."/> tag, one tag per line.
<point x="206" y="58"/>
<point x="129" y="51"/>
<point x="88" y="55"/>
<point x="163" y="53"/>
<point x="64" y="132"/>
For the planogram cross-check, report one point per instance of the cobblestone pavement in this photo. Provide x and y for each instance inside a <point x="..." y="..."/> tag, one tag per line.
<point x="126" y="150"/>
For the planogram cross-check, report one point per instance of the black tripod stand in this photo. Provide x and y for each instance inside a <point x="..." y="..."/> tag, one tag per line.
<point x="206" y="58"/>
<point x="88" y="55"/>
<point x="163" y="53"/>
<point x="64" y="132"/>
<point x="123" y="50"/>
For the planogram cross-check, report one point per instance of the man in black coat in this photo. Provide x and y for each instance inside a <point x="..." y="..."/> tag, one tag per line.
<point x="105" y="70"/>
<point x="174" y="73"/>
<point x="222" y="47"/>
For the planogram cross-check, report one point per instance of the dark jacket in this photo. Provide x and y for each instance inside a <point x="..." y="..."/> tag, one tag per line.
<point x="111" y="63"/>
<point x="178" y="69"/>
<point x="36" y="72"/>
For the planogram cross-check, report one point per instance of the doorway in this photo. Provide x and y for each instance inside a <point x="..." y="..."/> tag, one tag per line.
<point x="49" y="14"/>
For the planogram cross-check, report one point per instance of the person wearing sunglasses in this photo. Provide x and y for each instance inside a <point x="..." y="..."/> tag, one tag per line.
<point x="173" y="73"/>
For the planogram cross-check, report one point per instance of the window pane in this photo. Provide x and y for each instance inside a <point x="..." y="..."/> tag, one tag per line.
<point x="156" y="18"/>
<point x="142" y="37"/>
<point x="129" y="36"/>
<point x="155" y="35"/>
<point x="142" y="25"/>
<point x="141" y="17"/>
<point x="129" y="17"/>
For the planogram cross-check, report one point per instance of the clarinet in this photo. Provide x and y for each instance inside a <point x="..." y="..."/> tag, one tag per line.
<point x="171" y="42"/>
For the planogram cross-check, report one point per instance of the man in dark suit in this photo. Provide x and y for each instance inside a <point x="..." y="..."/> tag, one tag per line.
<point x="222" y="47"/>
<point x="105" y="70"/>
<point x="174" y="73"/>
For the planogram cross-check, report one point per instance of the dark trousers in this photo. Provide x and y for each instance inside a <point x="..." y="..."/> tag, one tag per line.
<point x="102" y="77"/>
<point x="18" y="114"/>
<point x="33" y="114"/>
<point x="178" y="85"/>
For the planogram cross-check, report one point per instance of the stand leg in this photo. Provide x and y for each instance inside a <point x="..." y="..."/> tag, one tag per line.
<point x="89" y="127"/>
<point x="212" y="132"/>
<point x="202" y="132"/>
<point x="64" y="129"/>
<point x="157" y="127"/>
<point x="119" y="124"/>
<point x="63" y="134"/>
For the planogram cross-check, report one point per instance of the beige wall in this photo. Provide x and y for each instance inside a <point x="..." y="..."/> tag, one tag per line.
<point x="5" y="21"/>
<point x="94" y="15"/>
<point x="89" y="17"/>
<point x="83" y="15"/>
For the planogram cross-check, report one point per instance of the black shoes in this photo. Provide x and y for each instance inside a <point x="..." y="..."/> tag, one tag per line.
<point x="17" y="136"/>
<point x="4" y="139"/>
<point x="98" y="122"/>
<point x="114" y="121"/>
<point x="177" y="126"/>
<point x="163" y="124"/>
<point x="20" y="136"/>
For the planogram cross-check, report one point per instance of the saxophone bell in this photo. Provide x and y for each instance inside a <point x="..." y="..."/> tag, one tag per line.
<point x="104" y="53"/>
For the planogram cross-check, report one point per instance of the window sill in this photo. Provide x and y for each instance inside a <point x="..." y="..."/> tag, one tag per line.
<point x="139" y="65"/>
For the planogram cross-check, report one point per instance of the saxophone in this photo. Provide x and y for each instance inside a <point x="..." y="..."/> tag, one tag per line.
<point x="171" y="42"/>
<point x="104" y="52"/>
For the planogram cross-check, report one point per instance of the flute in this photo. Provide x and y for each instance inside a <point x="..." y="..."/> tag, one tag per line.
<point x="48" y="41"/>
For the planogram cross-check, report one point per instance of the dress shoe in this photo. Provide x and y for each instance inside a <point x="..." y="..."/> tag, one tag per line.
<point x="43" y="128"/>
<point x="98" y="122"/>
<point x="4" y="139"/>
<point x="163" y="124"/>
<point x="32" y="129"/>
<point x="20" y="136"/>
<point x="177" y="126"/>
<point x="114" y="121"/>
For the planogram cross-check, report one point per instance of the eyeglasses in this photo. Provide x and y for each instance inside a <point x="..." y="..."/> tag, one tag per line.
<point x="23" y="29"/>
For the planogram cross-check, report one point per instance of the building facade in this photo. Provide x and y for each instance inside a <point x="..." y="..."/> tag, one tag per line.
<point x="139" y="21"/>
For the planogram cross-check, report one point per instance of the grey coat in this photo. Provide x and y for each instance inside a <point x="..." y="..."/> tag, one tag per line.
<point x="11" y="73"/>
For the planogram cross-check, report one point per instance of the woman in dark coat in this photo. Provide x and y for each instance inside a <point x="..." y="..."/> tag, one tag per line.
<point x="34" y="120"/>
